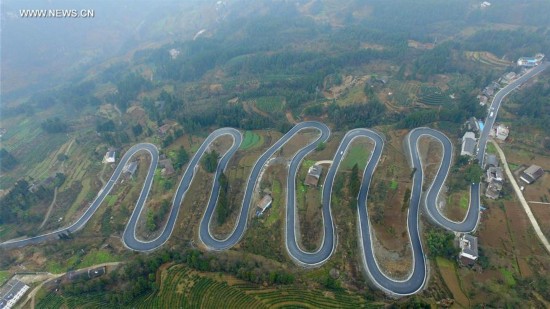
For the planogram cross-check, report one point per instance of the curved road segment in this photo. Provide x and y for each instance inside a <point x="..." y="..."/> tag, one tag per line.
<point x="428" y="200"/>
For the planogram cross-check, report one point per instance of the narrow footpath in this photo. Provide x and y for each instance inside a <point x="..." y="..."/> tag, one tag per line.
<point x="521" y="198"/>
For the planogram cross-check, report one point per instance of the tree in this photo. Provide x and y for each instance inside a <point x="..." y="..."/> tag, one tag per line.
<point x="321" y="146"/>
<point x="441" y="243"/>
<point x="182" y="157"/>
<point x="137" y="130"/>
<point x="354" y="181"/>
<point x="462" y="161"/>
<point x="54" y="125"/>
<point x="223" y="208"/>
<point x="210" y="161"/>
<point x="473" y="173"/>
<point x="7" y="160"/>
<point x="150" y="223"/>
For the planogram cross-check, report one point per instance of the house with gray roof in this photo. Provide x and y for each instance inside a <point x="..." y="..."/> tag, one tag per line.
<point x="468" y="249"/>
<point x="469" y="144"/>
<point x="531" y="174"/>
<point x="313" y="175"/>
<point x="491" y="160"/>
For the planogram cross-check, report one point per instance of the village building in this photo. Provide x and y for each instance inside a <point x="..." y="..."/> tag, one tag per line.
<point x="493" y="189"/>
<point x="109" y="157"/>
<point x="530" y="62"/>
<point x="531" y="174"/>
<point x="264" y="204"/>
<point x="167" y="167"/>
<point x="468" y="144"/>
<point x="472" y="124"/>
<point x="130" y="168"/>
<point x="482" y="100"/>
<point x="491" y="160"/>
<point x="11" y="293"/>
<point x="174" y="53"/>
<point x="485" y="4"/>
<point x="313" y="175"/>
<point x="494" y="174"/>
<point x="164" y="129"/>
<point x="468" y="249"/>
<point x="508" y="77"/>
<point x="501" y="132"/>
<point x="85" y="274"/>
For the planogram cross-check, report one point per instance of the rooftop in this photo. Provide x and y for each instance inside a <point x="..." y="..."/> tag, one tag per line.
<point x="167" y="167"/>
<point x="491" y="160"/>
<point x="532" y="173"/>
<point x="263" y="204"/>
<point x="468" y="246"/>
<point x="313" y="175"/>
<point x="468" y="144"/>
<point x="494" y="173"/>
<point x="130" y="168"/>
<point x="11" y="292"/>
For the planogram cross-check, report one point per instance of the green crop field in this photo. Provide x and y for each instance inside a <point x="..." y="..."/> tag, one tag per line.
<point x="4" y="276"/>
<point x="464" y="201"/>
<point x="491" y="148"/>
<point x="250" y="140"/>
<point x="357" y="153"/>
<point x="96" y="257"/>
<point x="270" y="104"/>
<point x="276" y="191"/>
<point x="394" y="184"/>
<point x="508" y="277"/>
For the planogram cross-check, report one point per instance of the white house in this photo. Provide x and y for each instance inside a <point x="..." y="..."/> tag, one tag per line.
<point x="109" y="157"/>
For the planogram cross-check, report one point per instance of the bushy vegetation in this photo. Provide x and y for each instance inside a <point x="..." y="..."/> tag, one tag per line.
<point x="223" y="208"/>
<point x="55" y="125"/>
<point x="441" y="243"/>
<point x="510" y="43"/>
<point x="138" y="277"/>
<point x="534" y="108"/>
<point x="7" y="160"/>
<point x="210" y="161"/>
<point x="16" y="205"/>
<point x="181" y="158"/>
<point x="357" y="115"/>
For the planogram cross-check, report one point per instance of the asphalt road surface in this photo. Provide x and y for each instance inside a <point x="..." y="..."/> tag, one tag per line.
<point x="495" y="106"/>
<point x="428" y="200"/>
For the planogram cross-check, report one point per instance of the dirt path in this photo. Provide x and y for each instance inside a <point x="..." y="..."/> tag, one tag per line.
<point x="521" y="198"/>
<point x="290" y="118"/>
<point x="103" y="182"/>
<point x="49" y="209"/>
<point x="258" y="111"/>
<point x="119" y="114"/>
<point x="60" y="170"/>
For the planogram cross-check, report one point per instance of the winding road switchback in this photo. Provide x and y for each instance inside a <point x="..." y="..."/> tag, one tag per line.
<point x="419" y="200"/>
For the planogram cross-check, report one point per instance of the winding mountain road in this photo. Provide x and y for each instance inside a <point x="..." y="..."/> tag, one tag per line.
<point x="419" y="200"/>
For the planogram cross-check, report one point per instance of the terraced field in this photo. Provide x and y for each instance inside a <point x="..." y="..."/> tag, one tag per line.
<point x="185" y="288"/>
<point x="54" y="301"/>
<point x="270" y="104"/>
<point x="250" y="139"/>
<point x="488" y="59"/>
<point x="404" y="93"/>
<point x="433" y="96"/>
